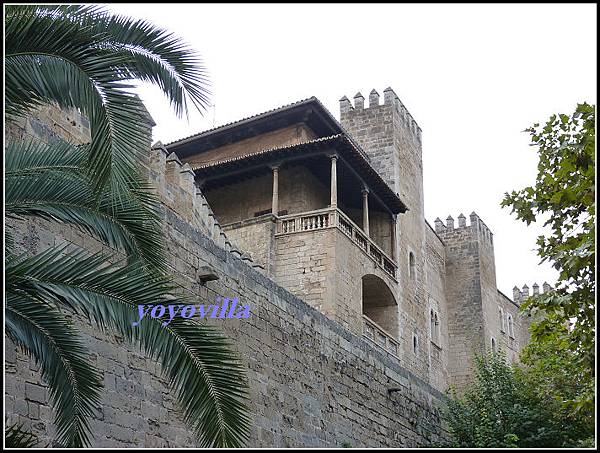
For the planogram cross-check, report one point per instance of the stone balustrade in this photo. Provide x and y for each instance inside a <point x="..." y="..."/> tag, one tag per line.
<point x="335" y="218"/>
<point x="375" y="333"/>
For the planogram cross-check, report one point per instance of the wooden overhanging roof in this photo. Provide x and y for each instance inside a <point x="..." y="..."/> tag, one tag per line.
<point x="339" y="144"/>
<point x="309" y="111"/>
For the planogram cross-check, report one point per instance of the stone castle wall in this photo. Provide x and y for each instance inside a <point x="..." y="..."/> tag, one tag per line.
<point x="473" y="299"/>
<point x="255" y="238"/>
<point x="464" y="299"/>
<point x="312" y="382"/>
<point x="435" y="277"/>
<point x="511" y="341"/>
<point x="306" y="267"/>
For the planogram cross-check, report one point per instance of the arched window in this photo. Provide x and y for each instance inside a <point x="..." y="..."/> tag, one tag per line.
<point x="494" y="347"/>
<point x="411" y="265"/>
<point x="511" y="326"/>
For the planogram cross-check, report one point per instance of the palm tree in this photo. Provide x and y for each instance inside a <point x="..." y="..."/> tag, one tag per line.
<point x="84" y="57"/>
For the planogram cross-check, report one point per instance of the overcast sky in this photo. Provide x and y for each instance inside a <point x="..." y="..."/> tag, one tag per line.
<point x="472" y="76"/>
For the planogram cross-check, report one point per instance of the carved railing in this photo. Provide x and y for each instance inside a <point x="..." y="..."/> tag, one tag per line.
<point x="377" y="335"/>
<point x="334" y="218"/>
<point x="314" y="220"/>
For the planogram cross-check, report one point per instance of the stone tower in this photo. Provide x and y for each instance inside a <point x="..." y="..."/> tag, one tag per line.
<point x="392" y="140"/>
<point x="471" y="293"/>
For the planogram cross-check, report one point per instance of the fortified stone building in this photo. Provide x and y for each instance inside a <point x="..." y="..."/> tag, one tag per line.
<point x="362" y="313"/>
<point x="334" y="213"/>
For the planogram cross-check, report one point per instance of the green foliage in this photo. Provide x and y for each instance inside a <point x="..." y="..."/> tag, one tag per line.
<point x="564" y="197"/>
<point x="203" y="372"/>
<point x="501" y="409"/>
<point x="552" y="372"/>
<point x="83" y="57"/>
<point x="51" y="182"/>
<point x="74" y="384"/>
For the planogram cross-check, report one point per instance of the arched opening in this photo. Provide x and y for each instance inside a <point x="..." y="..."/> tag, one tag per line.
<point x="379" y="305"/>
<point x="511" y="327"/>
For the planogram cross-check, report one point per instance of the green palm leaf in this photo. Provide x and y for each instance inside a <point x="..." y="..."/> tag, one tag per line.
<point x="44" y="333"/>
<point x="82" y="57"/>
<point x="159" y="58"/>
<point x="205" y="374"/>
<point x="50" y="182"/>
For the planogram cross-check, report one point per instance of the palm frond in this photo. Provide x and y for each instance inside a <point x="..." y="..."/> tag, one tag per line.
<point x="82" y="57"/>
<point x="206" y="375"/>
<point x="50" y="182"/>
<point x="159" y="57"/>
<point x="119" y="131"/>
<point x="44" y="333"/>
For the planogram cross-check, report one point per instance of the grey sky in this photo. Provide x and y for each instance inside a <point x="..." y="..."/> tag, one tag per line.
<point x="472" y="76"/>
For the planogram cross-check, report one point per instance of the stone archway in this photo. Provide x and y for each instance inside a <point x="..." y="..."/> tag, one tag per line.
<point x="379" y="304"/>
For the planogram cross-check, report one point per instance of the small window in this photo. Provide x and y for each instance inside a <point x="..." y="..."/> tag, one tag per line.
<point x="415" y="344"/>
<point x="432" y="325"/>
<point x="501" y="319"/>
<point x="435" y="327"/>
<point x="411" y="265"/>
<point x="494" y="346"/>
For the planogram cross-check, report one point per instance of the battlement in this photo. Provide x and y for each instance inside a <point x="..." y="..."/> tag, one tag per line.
<point x="174" y="182"/>
<point x="520" y="295"/>
<point x="390" y="99"/>
<point x="476" y="225"/>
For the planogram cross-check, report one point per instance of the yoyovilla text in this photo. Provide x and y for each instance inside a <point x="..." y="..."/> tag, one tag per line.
<point x="226" y="309"/>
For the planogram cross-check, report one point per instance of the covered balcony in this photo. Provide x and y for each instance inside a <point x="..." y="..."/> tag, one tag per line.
<point x="335" y="218"/>
<point x="316" y="216"/>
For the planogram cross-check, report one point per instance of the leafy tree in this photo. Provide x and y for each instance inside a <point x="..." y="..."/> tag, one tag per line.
<point x="500" y="409"/>
<point x="83" y="57"/>
<point x="551" y="372"/>
<point x="563" y="197"/>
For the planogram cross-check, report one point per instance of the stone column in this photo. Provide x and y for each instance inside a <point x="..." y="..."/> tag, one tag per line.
<point x="365" y="194"/>
<point x="333" y="202"/>
<point x="394" y="245"/>
<point x="275" y="204"/>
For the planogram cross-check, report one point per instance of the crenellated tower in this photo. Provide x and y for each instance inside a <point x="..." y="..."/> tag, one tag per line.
<point x="471" y="291"/>
<point x="391" y="138"/>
